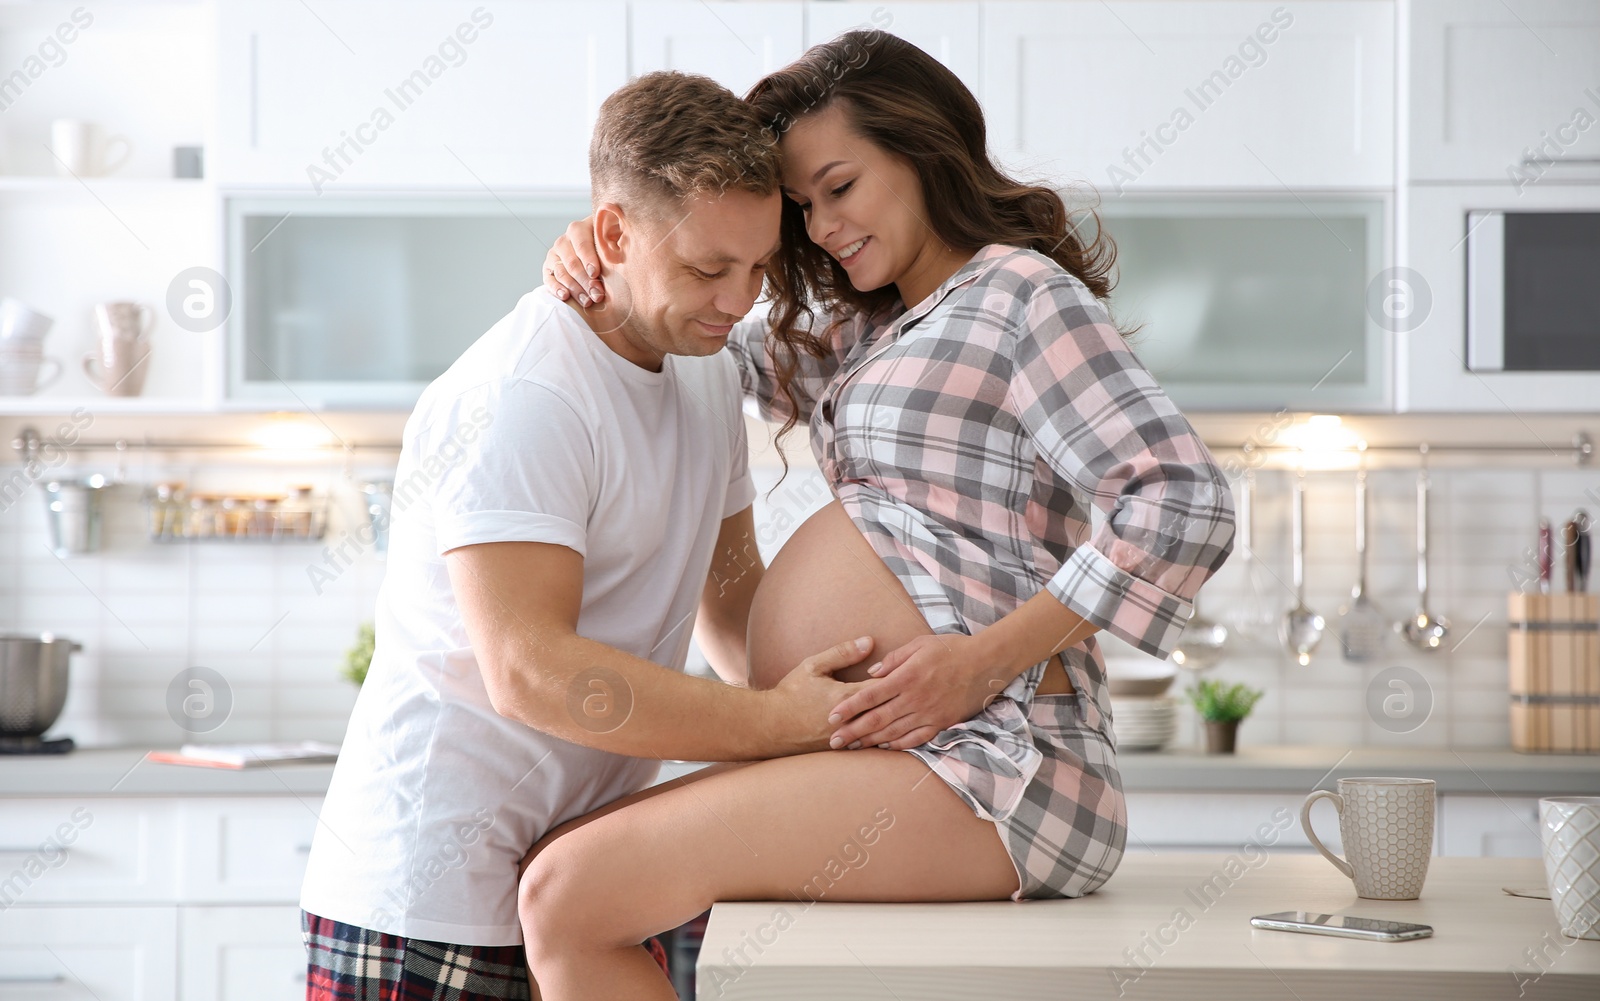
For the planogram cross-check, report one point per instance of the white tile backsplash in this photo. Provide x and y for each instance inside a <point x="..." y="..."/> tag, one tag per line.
<point x="146" y="611"/>
<point x="1479" y="524"/>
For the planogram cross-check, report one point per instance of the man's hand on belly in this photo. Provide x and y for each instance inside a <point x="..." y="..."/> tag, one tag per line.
<point x="808" y="693"/>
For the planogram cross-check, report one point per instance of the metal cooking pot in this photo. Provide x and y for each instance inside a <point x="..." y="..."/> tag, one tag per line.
<point x="33" y="681"/>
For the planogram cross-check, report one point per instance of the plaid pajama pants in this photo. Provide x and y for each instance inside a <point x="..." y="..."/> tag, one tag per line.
<point x="1068" y="834"/>
<point x="347" y="963"/>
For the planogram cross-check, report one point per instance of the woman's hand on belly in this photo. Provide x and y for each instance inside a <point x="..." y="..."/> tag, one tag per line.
<point x="926" y="685"/>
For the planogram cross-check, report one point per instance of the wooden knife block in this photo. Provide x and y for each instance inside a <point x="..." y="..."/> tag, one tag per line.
<point x="1555" y="672"/>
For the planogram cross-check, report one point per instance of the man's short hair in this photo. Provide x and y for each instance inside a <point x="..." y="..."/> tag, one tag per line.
<point x="669" y="136"/>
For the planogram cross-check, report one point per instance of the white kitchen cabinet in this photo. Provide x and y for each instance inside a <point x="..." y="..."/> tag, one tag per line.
<point x="1489" y="826"/>
<point x="88" y="953"/>
<point x="245" y="850"/>
<point x="241" y="954"/>
<point x="950" y="32"/>
<point x="450" y="93"/>
<point x="1497" y="88"/>
<point x="1134" y="96"/>
<point x="101" y="850"/>
<point x="735" y="44"/>
<point x="1178" y="821"/>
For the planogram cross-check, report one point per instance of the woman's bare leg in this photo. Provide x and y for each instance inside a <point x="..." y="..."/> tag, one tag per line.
<point x="649" y="792"/>
<point x="838" y="825"/>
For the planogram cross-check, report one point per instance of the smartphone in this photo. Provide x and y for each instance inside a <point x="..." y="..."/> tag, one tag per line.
<point x="1342" y="926"/>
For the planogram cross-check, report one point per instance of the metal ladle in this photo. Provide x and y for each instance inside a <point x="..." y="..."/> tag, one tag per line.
<point x="1301" y="629"/>
<point x="1202" y="643"/>
<point x="1424" y="630"/>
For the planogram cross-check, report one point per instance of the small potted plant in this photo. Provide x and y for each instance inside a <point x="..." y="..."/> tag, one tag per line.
<point x="1222" y="707"/>
<point x="359" y="657"/>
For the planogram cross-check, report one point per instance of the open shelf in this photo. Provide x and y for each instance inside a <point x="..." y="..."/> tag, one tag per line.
<point x="18" y="183"/>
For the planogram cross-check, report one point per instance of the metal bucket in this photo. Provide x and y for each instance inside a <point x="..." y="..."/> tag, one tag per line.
<point x="33" y="681"/>
<point x="72" y="513"/>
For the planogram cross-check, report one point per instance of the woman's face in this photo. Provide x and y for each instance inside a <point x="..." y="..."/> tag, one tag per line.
<point x="861" y="204"/>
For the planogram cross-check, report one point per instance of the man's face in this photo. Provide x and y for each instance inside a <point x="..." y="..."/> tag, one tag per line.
<point x="690" y="272"/>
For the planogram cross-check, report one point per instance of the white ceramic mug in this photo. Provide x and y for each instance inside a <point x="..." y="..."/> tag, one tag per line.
<point x="1569" y="830"/>
<point x="117" y="366"/>
<point x="1386" y="825"/>
<point x="19" y="370"/>
<point x="81" y="151"/>
<point x="18" y="323"/>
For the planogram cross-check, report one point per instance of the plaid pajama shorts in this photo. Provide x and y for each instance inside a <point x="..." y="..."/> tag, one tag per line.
<point x="1068" y="834"/>
<point x="347" y="963"/>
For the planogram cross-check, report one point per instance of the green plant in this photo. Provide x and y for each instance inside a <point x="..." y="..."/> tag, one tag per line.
<point x="1220" y="703"/>
<point x="359" y="657"/>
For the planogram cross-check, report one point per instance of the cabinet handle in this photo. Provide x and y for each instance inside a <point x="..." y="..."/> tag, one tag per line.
<point x="255" y="89"/>
<point x="27" y="850"/>
<point x="302" y="849"/>
<point x="1550" y="161"/>
<point x="56" y="979"/>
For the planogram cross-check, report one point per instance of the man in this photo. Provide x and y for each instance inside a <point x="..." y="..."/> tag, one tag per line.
<point x="571" y="492"/>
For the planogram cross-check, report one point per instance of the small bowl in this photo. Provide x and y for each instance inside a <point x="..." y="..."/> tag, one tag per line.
<point x="1129" y="686"/>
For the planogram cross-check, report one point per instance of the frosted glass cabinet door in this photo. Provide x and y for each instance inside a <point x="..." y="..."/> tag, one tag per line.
<point x="363" y="301"/>
<point x="1246" y="304"/>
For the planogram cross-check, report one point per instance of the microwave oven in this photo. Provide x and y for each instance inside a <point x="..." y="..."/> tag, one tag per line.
<point x="1533" y="291"/>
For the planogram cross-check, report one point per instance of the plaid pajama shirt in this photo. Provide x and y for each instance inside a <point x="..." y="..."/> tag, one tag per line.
<point x="971" y="439"/>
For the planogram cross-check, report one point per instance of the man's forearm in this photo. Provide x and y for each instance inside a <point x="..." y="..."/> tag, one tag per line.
<point x="598" y="696"/>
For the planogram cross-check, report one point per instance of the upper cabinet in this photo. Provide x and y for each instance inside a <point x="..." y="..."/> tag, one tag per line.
<point x="949" y="32"/>
<point x="735" y="44"/>
<point x="415" y="92"/>
<point x="1505" y="90"/>
<point x="1151" y="95"/>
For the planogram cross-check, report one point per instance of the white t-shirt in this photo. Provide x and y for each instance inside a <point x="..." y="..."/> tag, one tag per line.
<point x="538" y="433"/>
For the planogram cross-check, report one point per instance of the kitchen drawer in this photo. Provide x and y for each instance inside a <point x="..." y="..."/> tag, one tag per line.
<point x="246" y="850"/>
<point x="241" y="954"/>
<point x="88" y="953"/>
<point x="1489" y="826"/>
<point x="1215" y="821"/>
<point x="87" y="851"/>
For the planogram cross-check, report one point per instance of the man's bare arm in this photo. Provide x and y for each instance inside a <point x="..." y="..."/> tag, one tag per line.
<point x="520" y="603"/>
<point x="724" y="618"/>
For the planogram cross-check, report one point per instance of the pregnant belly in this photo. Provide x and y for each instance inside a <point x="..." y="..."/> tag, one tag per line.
<point x="826" y="586"/>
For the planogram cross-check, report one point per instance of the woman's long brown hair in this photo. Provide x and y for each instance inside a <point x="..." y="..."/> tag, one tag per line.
<point x="913" y="107"/>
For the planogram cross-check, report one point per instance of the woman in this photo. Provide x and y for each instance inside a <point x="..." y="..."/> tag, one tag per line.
<point x="965" y="436"/>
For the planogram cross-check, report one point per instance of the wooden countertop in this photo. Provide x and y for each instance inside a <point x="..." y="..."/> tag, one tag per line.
<point x="1151" y="932"/>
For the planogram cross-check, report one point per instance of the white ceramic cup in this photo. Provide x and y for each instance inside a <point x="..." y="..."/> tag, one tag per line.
<point x="1386" y="825"/>
<point x="18" y="323"/>
<point x="19" y="370"/>
<point x="81" y="151"/>
<point x="1569" y="830"/>
<point x="117" y="365"/>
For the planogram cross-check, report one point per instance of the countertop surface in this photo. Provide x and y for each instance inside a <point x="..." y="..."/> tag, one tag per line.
<point x="124" y="772"/>
<point x="1164" y="926"/>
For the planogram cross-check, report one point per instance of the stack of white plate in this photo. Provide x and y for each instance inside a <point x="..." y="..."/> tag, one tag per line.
<point x="1144" y="724"/>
